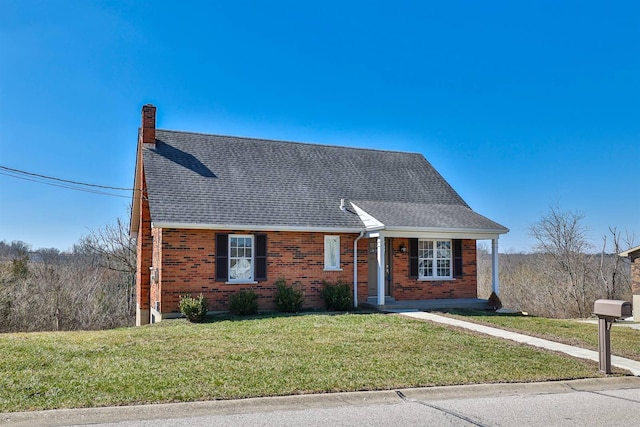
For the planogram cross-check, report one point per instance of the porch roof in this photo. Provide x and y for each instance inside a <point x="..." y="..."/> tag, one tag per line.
<point x="425" y="217"/>
<point x="632" y="253"/>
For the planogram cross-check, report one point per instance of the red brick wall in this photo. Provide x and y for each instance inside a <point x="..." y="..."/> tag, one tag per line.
<point x="186" y="261"/>
<point x="406" y="289"/>
<point x="363" y="269"/>
<point x="144" y="246"/>
<point x="154" y="292"/>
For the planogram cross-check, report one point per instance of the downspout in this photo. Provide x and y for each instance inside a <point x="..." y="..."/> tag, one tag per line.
<point x="343" y="208"/>
<point x="355" y="269"/>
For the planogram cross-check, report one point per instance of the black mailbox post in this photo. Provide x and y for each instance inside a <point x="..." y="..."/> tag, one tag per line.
<point x="608" y="311"/>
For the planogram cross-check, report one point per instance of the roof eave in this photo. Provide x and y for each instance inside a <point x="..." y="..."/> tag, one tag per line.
<point x="434" y="232"/>
<point x="450" y="229"/>
<point x="633" y="252"/>
<point x="134" y="220"/>
<point x="253" y="227"/>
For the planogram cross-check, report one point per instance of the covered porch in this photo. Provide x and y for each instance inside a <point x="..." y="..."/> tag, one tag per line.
<point x="423" y="254"/>
<point x="392" y="283"/>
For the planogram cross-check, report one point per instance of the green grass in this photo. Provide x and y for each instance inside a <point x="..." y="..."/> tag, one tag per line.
<point x="178" y="361"/>
<point x="624" y="341"/>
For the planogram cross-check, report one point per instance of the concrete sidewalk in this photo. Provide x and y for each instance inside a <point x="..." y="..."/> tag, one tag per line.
<point x="620" y="362"/>
<point x="479" y="401"/>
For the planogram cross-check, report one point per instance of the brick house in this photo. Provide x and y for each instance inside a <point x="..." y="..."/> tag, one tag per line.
<point x="216" y="214"/>
<point x="633" y="254"/>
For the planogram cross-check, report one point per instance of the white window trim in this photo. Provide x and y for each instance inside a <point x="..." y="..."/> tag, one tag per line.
<point x="435" y="261"/>
<point x="327" y="262"/>
<point x="253" y="255"/>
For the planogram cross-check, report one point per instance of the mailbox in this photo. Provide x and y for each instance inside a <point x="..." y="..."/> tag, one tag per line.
<point x="612" y="308"/>
<point x="608" y="310"/>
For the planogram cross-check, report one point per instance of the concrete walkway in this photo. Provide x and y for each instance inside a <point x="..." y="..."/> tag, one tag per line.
<point x="585" y="402"/>
<point x="620" y="362"/>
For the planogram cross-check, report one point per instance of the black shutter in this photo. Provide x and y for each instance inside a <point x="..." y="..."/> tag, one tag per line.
<point x="260" y="273"/>
<point x="413" y="258"/>
<point x="457" y="258"/>
<point x="222" y="258"/>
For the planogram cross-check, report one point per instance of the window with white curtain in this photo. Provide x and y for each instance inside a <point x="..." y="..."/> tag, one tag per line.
<point x="240" y="257"/>
<point x="331" y="252"/>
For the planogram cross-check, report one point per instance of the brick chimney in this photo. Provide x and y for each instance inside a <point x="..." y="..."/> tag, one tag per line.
<point x="148" y="130"/>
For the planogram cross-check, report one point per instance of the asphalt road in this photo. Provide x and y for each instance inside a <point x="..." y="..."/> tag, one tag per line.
<point x="592" y="402"/>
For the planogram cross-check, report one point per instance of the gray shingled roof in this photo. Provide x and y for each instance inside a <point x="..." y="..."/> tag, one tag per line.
<point x="427" y="216"/>
<point x="209" y="179"/>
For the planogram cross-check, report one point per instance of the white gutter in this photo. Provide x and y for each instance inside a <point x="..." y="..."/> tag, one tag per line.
<point x="252" y="227"/>
<point x="355" y="269"/>
<point x="401" y="228"/>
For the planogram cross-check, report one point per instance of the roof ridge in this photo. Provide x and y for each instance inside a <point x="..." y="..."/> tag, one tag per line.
<point x="317" y="144"/>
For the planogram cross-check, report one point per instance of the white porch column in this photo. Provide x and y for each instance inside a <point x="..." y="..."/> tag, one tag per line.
<point x="381" y="272"/>
<point x="495" y="281"/>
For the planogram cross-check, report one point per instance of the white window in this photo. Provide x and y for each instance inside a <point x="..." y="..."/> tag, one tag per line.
<point x="240" y="257"/>
<point x="434" y="259"/>
<point x="332" y="252"/>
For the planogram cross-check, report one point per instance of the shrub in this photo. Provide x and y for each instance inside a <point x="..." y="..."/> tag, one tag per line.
<point x="194" y="309"/>
<point x="244" y="302"/>
<point x="337" y="297"/>
<point x="288" y="298"/>
<point x="494" y="301"/>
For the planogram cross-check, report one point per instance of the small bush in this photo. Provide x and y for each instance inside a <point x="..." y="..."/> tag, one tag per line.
<point x="337" y="297"/>
<point x="244" y="302"/>
<point x="288" y="298"/>
<point x="494" y="301"/>
<point x="194" y="309"/>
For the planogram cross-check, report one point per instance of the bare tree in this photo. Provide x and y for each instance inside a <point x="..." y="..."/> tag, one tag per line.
<point x="614" y="270"/>
<point x="562" y="239"/>
<point x="565" y="274"/>
<point x="113" y="249"/>
<point x="92" y="287"/>
<point x="14" y="273"/>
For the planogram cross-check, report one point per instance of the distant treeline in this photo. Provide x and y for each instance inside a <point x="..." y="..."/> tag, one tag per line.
<point x="90" y="287"/>
<point x="93" y="285"/>
<point x="565" y="274"/>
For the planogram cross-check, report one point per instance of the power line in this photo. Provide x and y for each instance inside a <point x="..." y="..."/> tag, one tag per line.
<point x="69" y="187"/>
<point x="63" y="180"/>
<point x="64" y="183"/>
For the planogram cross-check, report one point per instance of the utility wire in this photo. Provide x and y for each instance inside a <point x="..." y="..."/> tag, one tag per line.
<point x="63" y="180"/>
<point x="65" y="183"/>
<point x="69" y="187"/>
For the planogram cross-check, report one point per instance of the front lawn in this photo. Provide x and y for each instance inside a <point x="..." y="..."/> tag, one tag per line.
<point x="624" y="341"/>
<point x="178" y="361"/>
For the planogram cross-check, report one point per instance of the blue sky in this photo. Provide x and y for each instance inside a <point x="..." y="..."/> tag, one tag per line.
<point x="519" y="105"/>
